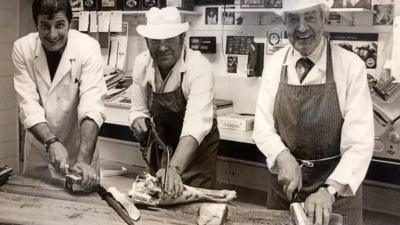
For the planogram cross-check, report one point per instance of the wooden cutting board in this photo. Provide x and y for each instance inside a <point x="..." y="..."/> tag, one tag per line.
<point x="28" y="201"/>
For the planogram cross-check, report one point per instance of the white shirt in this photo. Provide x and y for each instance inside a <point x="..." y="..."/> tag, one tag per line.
<point x="55" y="102"/>
<point x="357" y="139"/>
<point x="197" y="87"/>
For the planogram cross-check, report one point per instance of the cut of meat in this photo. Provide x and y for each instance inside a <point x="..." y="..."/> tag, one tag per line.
<point x="212" y="214"/>
<point x="146" y="190"/>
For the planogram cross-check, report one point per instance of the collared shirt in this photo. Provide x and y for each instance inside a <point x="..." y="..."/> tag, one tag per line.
<point x="357" y="139"/>
<point x="197" y="87"/>
<point x="315" y="54"/>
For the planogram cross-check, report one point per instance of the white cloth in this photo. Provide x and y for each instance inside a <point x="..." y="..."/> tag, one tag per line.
<point x="197" y="86"/>
<point x="357" y="139"/>
<point x="74" y="94"/>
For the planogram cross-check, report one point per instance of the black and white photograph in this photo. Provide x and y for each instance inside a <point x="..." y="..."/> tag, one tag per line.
<point x="211" y="16"/>
<point x="383" y="12"/>
<point x="77" y="5"/>
<point x="232" y="64"/>
<point x="108" y="3"/>
<point x="228" y="18"/>
<point x="199" y="112"/>
<point x="273" y="3"/>
<point x="364" y="45"/>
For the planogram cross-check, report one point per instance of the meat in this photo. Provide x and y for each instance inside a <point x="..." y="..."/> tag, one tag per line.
<point x="146" y="190"/>
<point x="212" y="214"/>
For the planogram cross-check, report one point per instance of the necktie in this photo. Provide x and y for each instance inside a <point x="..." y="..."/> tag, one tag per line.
<point x="303" y="66"/>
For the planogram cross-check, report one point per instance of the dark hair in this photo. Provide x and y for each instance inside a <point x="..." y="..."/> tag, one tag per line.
<point x="50" y="8"/>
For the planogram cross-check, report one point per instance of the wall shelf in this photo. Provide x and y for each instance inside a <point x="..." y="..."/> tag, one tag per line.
<point x="143" y="13"/>
<point x="271" y="10"/>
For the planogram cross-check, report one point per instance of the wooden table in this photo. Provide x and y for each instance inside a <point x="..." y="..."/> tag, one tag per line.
<point x="27" y="201"/>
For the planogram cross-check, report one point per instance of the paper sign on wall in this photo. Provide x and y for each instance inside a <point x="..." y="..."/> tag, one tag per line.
<point x="83" y="20"/>
<point x="116" y="21"/>
<point x="93" y="22"/>
<point x="104" y="21"/>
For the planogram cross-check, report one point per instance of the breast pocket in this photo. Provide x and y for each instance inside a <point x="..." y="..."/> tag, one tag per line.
<point x="68" y="93"/>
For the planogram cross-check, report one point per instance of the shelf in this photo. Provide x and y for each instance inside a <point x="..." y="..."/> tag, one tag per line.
<point x="350" y="10"/>
<point x="142" y="13"/>
<point x="272" y="10"/>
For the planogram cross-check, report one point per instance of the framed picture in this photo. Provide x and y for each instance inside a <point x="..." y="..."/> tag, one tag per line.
<point x="130" y="5"/>
<point x="91" y="5"/>
<point x="76" y="5"/>
<point x="211" y="16"/>
<point x="109" y="4"/>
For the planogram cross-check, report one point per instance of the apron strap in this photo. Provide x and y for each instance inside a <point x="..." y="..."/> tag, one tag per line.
<point x="329" y="66"/>
<point x="284" y="78"/>
<point x="184" y="59"/>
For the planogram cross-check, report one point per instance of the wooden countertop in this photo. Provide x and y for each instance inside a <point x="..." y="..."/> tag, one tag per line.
<point x="28" y="201"/>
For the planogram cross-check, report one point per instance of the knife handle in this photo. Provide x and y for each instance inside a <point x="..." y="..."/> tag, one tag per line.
<point x="106" y="196"/>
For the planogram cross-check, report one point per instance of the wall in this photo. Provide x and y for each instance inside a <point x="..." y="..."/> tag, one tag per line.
<point x="257" y="25"/>
<point x="9" y="25"/>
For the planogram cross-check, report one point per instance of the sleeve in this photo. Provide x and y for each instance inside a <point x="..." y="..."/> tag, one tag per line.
<point x="265" y="135"/>
<point x="31" y="110"/>
<point x="139" y="106"/>
<point x="92" y="87"/>
<point x="357" y="139"/>
<point x="199" y="112"/>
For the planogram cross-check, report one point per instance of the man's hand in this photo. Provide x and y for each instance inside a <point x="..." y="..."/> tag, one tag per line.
<point x="90" y="178"/>
<point x="140" y="128"/>
<point x="289" y="173"/>
<point x="173" y="183"/>
<point x="58" y="157"/>
<point x="318" y="207"/>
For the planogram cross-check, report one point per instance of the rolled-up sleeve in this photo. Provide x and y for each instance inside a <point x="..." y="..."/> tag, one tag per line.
<point x="265" y="135"/>
<point x="139" y="106"/>
<point x="31" y="111"/>
<point x="92" y="87"/>
<point x="200" y="109"/>
<point x="357" y="139"/>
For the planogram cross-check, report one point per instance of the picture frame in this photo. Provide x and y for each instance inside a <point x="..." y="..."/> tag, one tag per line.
<point x="76" y="5"/>
<point x="109" y="5"/>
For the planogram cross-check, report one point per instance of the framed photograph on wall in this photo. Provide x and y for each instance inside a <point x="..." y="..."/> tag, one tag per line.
<point x="76" y="5"/>
<point x="109" y="4"/>
<point x="211" y="16"/>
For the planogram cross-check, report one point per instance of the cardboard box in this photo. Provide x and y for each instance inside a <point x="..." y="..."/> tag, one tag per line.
<point x="236" y="121"/>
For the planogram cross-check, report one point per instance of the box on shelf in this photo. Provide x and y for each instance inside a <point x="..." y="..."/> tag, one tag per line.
<point x="234" y="121"/>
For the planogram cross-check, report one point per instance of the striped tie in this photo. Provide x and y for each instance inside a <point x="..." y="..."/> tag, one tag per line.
<point x="303" y="66"/>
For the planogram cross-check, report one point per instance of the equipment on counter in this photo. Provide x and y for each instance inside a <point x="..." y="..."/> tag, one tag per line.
<point x="386" y="89"/>
<point x="5" y="173"/>
<point x="386" y="104"/>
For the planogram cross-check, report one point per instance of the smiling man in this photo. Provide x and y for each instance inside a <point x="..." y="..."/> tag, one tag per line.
<point x="58" y="78"/>
<point x="173" y="85"/>
<point x="314" y="120"/>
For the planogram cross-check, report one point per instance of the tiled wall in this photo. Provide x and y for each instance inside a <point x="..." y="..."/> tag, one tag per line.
<point x="9" y="25"/>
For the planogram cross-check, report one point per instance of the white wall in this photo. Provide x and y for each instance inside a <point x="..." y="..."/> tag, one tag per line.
<point x="242" y="90"/>
<point x="8" y="111"/>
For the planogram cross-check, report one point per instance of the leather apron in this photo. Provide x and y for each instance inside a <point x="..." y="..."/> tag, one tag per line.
<point x="168" y="111"/>
<point x="309" y="122"/>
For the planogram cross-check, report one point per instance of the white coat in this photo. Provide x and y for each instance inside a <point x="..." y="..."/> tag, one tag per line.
<point x="357" y="138"/>
<point x="74" y="94"/>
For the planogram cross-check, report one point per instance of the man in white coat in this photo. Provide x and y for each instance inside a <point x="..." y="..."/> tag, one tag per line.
<point x="174" y="86"/>
<point x="59" y="83"/>
<point x="314" y="119"/>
